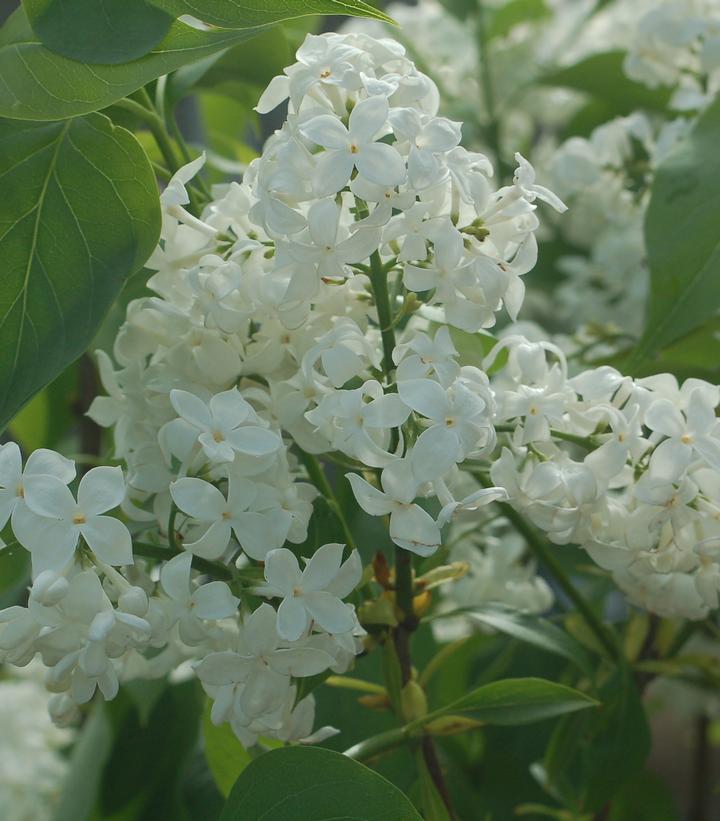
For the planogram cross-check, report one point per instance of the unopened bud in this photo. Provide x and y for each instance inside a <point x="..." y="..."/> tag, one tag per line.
<point x="376" y="701"/>
<point x="49" y="588"/>
<point x="413" y="701"/>
<point x="134" y="601"/>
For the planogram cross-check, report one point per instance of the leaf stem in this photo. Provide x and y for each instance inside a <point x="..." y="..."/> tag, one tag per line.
<point x="152" y="551"/>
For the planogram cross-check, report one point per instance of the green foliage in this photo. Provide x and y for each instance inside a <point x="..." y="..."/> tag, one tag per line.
<point x="236" y="14"/>
<point x="503" y="19"/>
<point x="98" y="31"/>
<point x="519" y="701"/>
<point x="682" y="233"/>
<point x="41" y="85"/>
<point x="533" y="630"/>
<point x="225" y="755"/>
<point x="315" y="785"/>
<point x="602" y="77"/>
<point x="64" y="259"/>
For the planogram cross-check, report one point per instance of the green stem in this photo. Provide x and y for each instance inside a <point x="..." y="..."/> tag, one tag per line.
<point x="157" y="129"/>
<point x="404" y="601"/>
<point x="377" y="744"/>
<point x="320" y="480"/>
<point x="583" y="441"/>
<point x="151" y="551"/>
<point x="488" y="89"/>
<point x="378" y="281"/>
<point x="542" y="550"/>
<point x="349" y="683"/>
<point x="171" y="535"/>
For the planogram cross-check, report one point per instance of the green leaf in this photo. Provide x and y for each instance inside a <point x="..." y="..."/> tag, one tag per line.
<point x="239" y="14"/>
<point x="602" y="76"/>
<point x="145" y="766"/>
<point x="533" y="630"/>
<point x="89" y="755"/>
<point x="646" y="798"/>
<point x="225" y="755"/>
<point x="314" y="784"/>
<point x="520" y="701"/>
<point x="506" y="17"/>
<point x="98" y="31"/>
<point x="592" y="756"/>
<point x="682" y="234"/>
<point x="79" y="213"/>
<point x="37" y="84"/>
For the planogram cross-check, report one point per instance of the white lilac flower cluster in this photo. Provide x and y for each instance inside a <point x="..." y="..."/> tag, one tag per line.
<point x="604" y="177"/>
<point x="308" y="312"/>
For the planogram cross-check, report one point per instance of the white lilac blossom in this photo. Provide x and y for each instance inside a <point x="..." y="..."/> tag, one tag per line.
<point x="312" y="310"/>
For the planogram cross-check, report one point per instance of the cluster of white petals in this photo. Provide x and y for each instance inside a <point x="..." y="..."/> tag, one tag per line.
<point x="313" y="310"/>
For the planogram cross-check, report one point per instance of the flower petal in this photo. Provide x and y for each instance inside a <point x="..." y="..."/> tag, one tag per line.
<point x="292" y="619"/>
<point x="101" y="489"/>
<point x="214" y="601"/>
<point x="108" y="539"/>
<point x="329" y="612"/>
<point x="199" y="499"/>
<point x="50" y="497"/>
<point x="322" y="567"/>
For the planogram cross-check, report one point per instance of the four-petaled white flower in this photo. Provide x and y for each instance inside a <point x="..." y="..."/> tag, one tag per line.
<point x="257" y="532"/>
<point x="354" y="147"/>
<point x="411" y="527"/>
<point x="51" y="522"/>
<point x="224" y="427"/>
<point x="313" y="594"/>
<point x="191" y="607"/>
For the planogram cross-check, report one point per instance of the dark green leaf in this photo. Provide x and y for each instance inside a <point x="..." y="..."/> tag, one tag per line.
<point x="533" y="630"/>
<point x="520" y="701"/>
<point x="79" y="213"/>
<point x="37" y="84"/>
<point x="592" y="756"/>
<point x="682" y="234"/>
<point x="602" y="76"/>
<point x="314" y="784"/>
<point x="239" y="14"/>
<point x="98" y="31"/>
<point x="146" y="762"/>
<point x="646" y="798"/>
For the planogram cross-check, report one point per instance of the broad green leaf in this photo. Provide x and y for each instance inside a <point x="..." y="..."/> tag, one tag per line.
<point x="520" y="701"/>
<point x="602" y="76"/>
<point x="98" y="31"/>
<point x="225" y="755"/>
<point x="682" y="234"/>
<point x="37" y="84"/>
<point x="431" y="801"/>
<point x="533" y="630"/>
<point x="79" y="213"/>
<point x="314" y="784"/>
<point x="242" y="14"/>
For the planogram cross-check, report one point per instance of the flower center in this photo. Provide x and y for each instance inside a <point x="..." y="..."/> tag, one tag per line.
<point x="20" y="490"/>
<point x="686" y="439"/>
<point x="325" y="74"/>
<point x="79" y="519"/>
<point x="217" y="436"/>
<point x="353" y="148"/>
<point x="298" y="591"/>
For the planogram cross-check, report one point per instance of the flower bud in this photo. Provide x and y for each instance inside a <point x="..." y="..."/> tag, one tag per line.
<point x="134" y="601"/>
<point x="413" y="701"/>
<point x="49" y="588"/>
